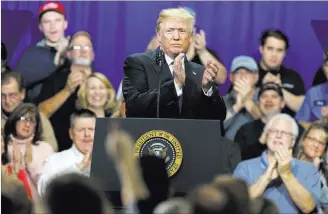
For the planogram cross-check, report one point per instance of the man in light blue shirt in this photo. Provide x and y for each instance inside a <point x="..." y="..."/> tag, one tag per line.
<point x="316" y="99"/>
<point x="293" y="185"/>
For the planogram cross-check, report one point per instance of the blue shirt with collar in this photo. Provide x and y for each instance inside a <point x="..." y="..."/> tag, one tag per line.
<point x="306" y="174"/>
<point x="315" y="98"/>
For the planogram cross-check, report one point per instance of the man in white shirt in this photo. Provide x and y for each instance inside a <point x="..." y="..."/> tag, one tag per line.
<point x="77" y="159"/>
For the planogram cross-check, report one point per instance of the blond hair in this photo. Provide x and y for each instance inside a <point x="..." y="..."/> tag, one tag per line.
<point x="176" y="13"/>
<point x="82" y="93"/>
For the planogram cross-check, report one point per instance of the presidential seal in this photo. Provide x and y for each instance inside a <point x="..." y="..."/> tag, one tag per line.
<point x="161" y="144"/>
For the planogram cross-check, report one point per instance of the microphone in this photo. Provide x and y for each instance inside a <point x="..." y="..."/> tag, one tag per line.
<point x="159" y="62"/>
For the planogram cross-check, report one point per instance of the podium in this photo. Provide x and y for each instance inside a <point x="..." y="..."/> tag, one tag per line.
<point x="194" y="150"/>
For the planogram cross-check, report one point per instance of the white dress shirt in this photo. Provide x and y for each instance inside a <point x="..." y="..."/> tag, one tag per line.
<point x="59" y="164"/>
<point x="170" y="61"/>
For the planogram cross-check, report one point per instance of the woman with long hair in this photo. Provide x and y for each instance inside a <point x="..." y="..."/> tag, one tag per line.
<point x="312" y="147"/>
<point x="22" y="145"/>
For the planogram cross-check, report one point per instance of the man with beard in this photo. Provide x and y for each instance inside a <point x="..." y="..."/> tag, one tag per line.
<point x="37" y="62"/>
<point x="271" y="103"/>
<point x="273" y="48"/>
<point x="59" y="93"/>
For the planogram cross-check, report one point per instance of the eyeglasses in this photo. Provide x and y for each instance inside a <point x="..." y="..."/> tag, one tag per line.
<point x="28" y="119"/>
<point x="284" y="134"/>
<point x="315" y="140"/>
<point x="10" y="96"/>
<point x="80" y="47"/>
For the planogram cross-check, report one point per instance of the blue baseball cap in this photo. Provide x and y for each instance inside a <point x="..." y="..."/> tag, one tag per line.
<point x="246" y="62"/>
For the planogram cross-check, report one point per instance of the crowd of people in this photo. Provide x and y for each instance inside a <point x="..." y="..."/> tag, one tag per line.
<point x="51" y="98"/>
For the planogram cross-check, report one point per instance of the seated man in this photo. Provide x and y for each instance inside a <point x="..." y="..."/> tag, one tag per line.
<point x="77" y="159"/>
<point x="291" y="184"/>
<point x="271" y="103"/>
<point x="240" y="101"/>
<point x="12" y="95"/>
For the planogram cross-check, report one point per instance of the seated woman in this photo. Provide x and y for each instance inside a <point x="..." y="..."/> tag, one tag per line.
<point x="312" y="147"/>
<point x="22" y="143"/>
<point x="12" y="172"/>
<point x="98" y="95"/>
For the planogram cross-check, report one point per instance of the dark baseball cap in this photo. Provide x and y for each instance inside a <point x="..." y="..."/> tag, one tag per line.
<point x="271" y="86"/>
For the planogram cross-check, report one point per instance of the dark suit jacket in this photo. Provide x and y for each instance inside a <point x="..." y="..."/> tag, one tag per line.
<point x="140" y="88"/>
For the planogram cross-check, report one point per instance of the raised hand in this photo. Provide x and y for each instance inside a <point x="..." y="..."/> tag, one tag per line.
<point x="119" y="145"/>
<point x="200" y="41"/>
<point x="269" y="77"/>
<point x="74" y="80"/>
<point x="62" y="44"/>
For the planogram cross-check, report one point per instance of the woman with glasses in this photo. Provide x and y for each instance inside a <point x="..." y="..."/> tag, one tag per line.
<point x="313" y="148"/>
<point x="22" y="145"/>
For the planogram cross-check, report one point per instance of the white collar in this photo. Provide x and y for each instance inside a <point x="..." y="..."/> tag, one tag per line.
<point x="169" y="60"/>
<point x="76" y="152"/>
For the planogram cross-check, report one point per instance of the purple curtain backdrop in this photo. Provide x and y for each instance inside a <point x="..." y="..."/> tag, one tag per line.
<point x="232" y="28"/>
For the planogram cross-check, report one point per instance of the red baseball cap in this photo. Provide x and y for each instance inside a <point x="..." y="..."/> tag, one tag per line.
<point x="51" y="6"/>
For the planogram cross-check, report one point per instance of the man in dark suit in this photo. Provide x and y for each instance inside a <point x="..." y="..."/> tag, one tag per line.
<point x="186" y="89"/>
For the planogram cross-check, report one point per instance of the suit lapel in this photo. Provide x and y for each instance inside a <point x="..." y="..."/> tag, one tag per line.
<point x="190" y="70"/>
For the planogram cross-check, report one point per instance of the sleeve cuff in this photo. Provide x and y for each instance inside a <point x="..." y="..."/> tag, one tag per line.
<point x="177" y="89"/>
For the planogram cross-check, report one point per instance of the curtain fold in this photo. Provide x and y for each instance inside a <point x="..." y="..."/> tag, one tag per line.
<point x="122" y="28"/>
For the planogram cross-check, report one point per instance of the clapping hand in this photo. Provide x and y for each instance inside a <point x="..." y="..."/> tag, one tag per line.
<point x="179" y="71"/>
<point x="284" y="158"/>
<point x="269" y="77"/>
<point x="209" y="75"/>
<point x="86" y="162"/>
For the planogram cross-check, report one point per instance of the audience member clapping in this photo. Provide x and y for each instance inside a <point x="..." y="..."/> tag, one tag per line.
<point x="313" y="148"/>
<point x="23" y="145"/>
<point x="240" y="101"/>
<point x="77" y="159"/>
<point x="57" y="99"/>
<point x="12" y="95"/>
<point x="290" y="183"/>
<point x="271" y="103"/>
